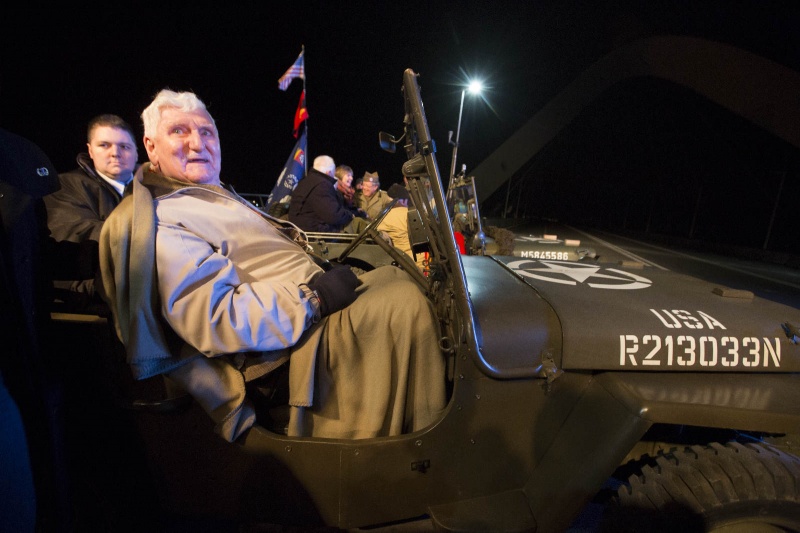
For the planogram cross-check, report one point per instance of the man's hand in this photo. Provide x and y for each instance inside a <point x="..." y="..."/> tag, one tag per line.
<point x="336" y="289"/>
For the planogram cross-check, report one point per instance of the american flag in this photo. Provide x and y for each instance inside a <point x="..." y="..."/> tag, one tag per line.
<point x="297" y="70"/>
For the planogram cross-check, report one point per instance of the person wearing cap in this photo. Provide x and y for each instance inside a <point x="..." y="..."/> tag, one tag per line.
<point x="371" y="198"/>
<point x="395" y="223"/>
<point x="35" y="484"/>
<point x="317" y="205"/>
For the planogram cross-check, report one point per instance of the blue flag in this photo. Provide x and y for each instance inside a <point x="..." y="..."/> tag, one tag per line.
<point x="293" y="171"/>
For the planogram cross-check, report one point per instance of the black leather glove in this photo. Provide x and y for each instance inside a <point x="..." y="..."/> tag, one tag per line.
<point x="336" y="289"/>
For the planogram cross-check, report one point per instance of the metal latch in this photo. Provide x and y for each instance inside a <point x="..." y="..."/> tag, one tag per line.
<point x="421" y="466"/>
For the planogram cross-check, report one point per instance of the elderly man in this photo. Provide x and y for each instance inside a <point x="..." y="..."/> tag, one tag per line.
<point x="316" y="204"/>
<point x="371" y="198"/>
<point x="214" y="293"/>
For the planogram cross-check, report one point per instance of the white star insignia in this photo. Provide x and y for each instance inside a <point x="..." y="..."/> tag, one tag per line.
<point x="551" y="271"/>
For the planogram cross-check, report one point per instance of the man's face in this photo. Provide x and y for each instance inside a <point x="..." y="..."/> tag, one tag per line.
<point x="369" y="188"/>
<point x="186" y="147"/>
<point x="113" y="152"/>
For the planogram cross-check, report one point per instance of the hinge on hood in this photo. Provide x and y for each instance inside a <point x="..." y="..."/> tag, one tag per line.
<point x="548" y="368"/>
<point x="792" y="332"/>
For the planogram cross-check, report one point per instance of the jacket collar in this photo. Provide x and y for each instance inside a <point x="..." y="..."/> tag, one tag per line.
<point x="160" y="185"/>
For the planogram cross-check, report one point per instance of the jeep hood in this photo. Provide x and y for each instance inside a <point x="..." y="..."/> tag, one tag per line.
<point x="584" y="316"/>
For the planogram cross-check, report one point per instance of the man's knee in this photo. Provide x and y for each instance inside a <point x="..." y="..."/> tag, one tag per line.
<point x="390" y="288"/>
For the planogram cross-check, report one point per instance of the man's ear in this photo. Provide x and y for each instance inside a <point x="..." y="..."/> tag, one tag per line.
<point x="149" y="148"/>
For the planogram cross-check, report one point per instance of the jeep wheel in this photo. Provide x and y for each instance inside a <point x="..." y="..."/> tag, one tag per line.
<point x="722" y="488"/>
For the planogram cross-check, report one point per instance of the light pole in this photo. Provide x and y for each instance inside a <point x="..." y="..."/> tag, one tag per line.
<point x="474" y="87"/>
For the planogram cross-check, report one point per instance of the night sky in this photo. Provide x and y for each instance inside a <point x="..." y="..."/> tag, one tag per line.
<point x="61" y="66"/>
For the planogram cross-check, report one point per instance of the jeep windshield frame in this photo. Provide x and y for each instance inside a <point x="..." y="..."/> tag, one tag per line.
<point x="447" y="283"/>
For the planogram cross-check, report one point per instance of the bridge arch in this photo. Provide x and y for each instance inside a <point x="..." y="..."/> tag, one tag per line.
<point x="755" y="88"/>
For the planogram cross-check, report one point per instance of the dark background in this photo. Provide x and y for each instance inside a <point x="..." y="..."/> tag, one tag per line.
<point x="62" y="65"/>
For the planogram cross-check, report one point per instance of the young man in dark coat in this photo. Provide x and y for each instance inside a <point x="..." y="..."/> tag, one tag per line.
<point x="89" y="193"/>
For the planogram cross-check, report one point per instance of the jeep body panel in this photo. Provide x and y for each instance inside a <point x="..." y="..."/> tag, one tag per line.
<point x="518" y="332"/>
<point x="616" y="317"/>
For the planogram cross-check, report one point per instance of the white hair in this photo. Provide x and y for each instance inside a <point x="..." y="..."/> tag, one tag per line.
<point x="184" y="101"/>
<point x="325" y="164"/>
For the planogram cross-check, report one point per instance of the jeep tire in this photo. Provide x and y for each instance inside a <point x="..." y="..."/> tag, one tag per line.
<point x="729" y="487"/>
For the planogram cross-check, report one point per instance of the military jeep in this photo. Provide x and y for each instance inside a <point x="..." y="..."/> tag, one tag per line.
<point x="676" y="405"/>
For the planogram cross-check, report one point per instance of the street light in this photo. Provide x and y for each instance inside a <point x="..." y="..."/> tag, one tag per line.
<point x="479" y="239"/>
<point x="474" y="87"/>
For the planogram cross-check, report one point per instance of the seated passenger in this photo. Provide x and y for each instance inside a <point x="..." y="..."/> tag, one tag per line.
<point x="344" y="186"/>
<point x="395" y="223"/>
<point x="214" y="293"/>
<point x="88" y="194"/>
<point x="371" y="198"/>
<point x="317" y="206"/>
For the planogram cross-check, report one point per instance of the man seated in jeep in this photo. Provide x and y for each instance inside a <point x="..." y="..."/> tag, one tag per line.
<point x="317" y="205"/>
<point x="371" y="198"/>
<point x="214" y="293"/>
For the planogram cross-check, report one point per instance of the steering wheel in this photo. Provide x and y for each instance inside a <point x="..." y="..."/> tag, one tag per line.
<point x="370" y="230"/>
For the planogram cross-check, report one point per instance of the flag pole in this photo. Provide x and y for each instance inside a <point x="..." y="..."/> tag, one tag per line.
<point x="296" y="165"/>
<point x="305" y="122"/>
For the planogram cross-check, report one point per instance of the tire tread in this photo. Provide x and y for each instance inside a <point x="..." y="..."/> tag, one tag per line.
<point x="713" y="480"/>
